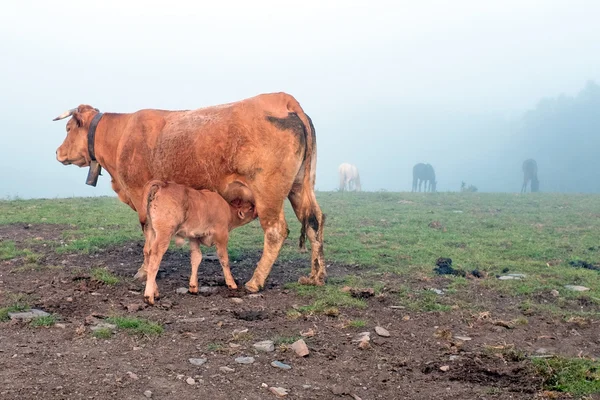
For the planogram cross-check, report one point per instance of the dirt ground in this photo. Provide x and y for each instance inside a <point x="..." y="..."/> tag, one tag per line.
<point x="67" y="362"/>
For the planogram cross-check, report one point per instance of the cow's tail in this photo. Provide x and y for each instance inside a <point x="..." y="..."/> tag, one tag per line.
<point x="309" y="169"/>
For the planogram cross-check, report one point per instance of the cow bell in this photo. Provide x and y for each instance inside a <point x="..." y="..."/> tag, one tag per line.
<point x="93" y="173"/>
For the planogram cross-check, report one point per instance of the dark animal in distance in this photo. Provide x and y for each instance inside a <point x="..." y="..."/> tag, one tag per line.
<point x="423" y="173"/>
<point x="530" y="174"/>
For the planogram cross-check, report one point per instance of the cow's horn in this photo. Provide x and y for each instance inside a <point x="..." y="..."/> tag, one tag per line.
<point x="65" y="114"/>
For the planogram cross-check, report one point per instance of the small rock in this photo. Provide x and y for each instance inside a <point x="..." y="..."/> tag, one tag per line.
<point x="463" y="338"/>
<point x="104" y="325"/>
<point x="191" y="320"/>
<point x="60" y="326"/>
<point x="306" y="386"/>
<point x="182" y="290"/>
<point x="300" y="348"/>
<point x="190" y="381"/>
<point x="266" y="346"/>
<point x="27" y="315"/>
<point x="511" y="277"/>
<point x="437" y="291"/>
<point x="197" y="361"/>
<point x="554" y="293"/>
<point x="381" y="331"/>
<point x="397" y="307"/>
<point x="69" y="299"/>
<point x="236" y="300"/>
<point x="445" y="368"/>
<point x="208" y="290"/>
<point x="264" y="385"/>
<point x="148" y="394"/>
<point x="454" y="358"/>
<point x="308" y="333"/>
<point x="235" y="345"/>
<point x="132" y="375"/>
<point x="577" y="288"/>
<point x="244" y="360"/>
<point x="278" y="364"/>
<point x="226" y="369"/>
<point x="136" y="348"/>
<point x="279" y="391"/>
<point x="134" y="307"/>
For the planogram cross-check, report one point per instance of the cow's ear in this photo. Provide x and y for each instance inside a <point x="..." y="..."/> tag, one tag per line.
<point x="78" y="117"/>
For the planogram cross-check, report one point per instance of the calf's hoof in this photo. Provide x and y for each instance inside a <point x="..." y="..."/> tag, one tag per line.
<point x="149" y="300"/>
<point x="140" y="275"/>
<point x="193" y="289"/>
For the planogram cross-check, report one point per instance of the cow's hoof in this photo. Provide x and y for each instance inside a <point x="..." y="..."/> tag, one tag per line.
<point x="252" y="286"/>
<point x="311" y="280"/>
<point x="149" y="300"/>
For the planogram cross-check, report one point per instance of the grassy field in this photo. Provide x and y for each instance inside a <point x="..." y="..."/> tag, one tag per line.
<point x="394" y="239"/>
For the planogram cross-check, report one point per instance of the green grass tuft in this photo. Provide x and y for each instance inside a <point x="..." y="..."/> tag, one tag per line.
<point x="571" y="375"/>
<point x="105" y="276"/>
<point x="103" y="333"/>
<point x="48" y="320"/>
<point x="136" y="326"/>
<point x="326" y="299"/>
<point x="14" y="308"/>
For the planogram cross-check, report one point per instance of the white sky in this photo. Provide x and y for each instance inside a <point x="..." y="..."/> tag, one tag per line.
<point x="342" y="60"/>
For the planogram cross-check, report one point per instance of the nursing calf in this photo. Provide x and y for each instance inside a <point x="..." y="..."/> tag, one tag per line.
<point x="202" y="216"/>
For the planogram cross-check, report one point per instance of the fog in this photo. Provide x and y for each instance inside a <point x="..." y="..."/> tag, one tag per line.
<point x="471" y="87"/>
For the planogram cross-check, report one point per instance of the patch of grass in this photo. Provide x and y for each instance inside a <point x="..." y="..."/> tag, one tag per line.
<point x="48" y="320"/>
<point x="214" y="347"/>
<point x="136" y="326"/>
<point x="293" y="314"/>
<point x="327" y="299"/>
<point x="285" y="340"/>
<point x="423" y="300"/>
<point x="105" y="276"/>
<point x="103" y="333"/>
<point x="14" y="308"/>
<point x="8" y="250"/>
<point x="572" y="375"/>
<point x="357" y="323"/>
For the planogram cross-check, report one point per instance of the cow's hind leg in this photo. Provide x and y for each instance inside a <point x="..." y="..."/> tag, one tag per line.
<point x="312" y="219"/>
<point x="273" y="223"/>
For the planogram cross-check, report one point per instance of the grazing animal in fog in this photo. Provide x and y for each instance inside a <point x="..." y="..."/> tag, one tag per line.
<point x="530" y="174"/>
<point x="202" y="216"/>
<point x="349" y="177"/>
<point x="266" y="143"/>
<point x="423" y="173"/>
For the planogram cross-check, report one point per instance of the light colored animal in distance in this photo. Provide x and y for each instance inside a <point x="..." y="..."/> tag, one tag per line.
<point x="265" y="143"/>
<point x="530" y="175"/>
<point x="424" y="173"/>
<point x="349" y="177"/>
<point x="201" y="216"/>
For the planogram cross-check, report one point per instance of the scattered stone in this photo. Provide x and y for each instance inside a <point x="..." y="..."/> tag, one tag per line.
<point x="28" y="315"/>
<point x="132" y="375"/>
<point x="69" y="299"/>
<point x="463" y="338"/>
<point x="437" y="291"/>
<point x="226" y="369"/>
<point x="397" y="307"/>
<point x="254" y="296"/>
<point x="444" y="267"/>
<point x="300" y="348"/>
<point x="306" y="386"/>
<point x="236" y="300"/>
<point x="266" y="345"/>
<point x="103" y="325"/>
<point x="136" y="348"/>
<point x="381" y="331"/>
<point x="454" y="358"/>
<point x="504" y="324"/>
<point x="182" y="290"/>
<point x="543" y="350"/>
<point x="508" y="277"/>
<point x="577" y="288"/>
<point x="235" y="345"/>
<point x="191" y="320"/>
<point x="208" y="290"/>
<point x="445" y="368"/>
<point x="308" y="333"/>
<point x="278" y="364"/>
<point x="148" y="394"/>
<point x="264" y="385"/>
<point x="134" y="307"/>
<point x="60" y="326"/>
<point x="554" y="293"/>
<point x="190" y="381"/>
<point x="244" y="360"/>
<point x="198" y="361"/>
<point x="279" y="391"/>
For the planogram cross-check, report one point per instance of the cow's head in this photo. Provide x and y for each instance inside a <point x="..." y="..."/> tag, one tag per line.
<point x="74" y="149"/>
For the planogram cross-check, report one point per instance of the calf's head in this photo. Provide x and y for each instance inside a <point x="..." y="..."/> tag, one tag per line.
<point x="74" y="149"/>
<point x="244" y="210"/>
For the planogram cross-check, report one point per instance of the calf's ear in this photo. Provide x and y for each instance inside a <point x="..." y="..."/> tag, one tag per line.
<point x="240" y="214"/>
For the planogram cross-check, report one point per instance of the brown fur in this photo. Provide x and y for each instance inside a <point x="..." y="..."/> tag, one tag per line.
<point x="201" y="216"/>
<point x="247" y="143"/>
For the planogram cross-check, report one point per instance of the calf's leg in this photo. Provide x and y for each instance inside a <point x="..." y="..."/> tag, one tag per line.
<point x="195" y="258"/>
<point x="221" y="244"/>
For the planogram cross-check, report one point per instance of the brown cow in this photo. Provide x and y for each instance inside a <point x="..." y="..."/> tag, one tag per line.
<point x="265" y="143"/>
<point x="201" y="216"/>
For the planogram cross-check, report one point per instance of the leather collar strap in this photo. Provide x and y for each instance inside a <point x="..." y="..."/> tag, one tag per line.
<point x="92" y="135"/>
